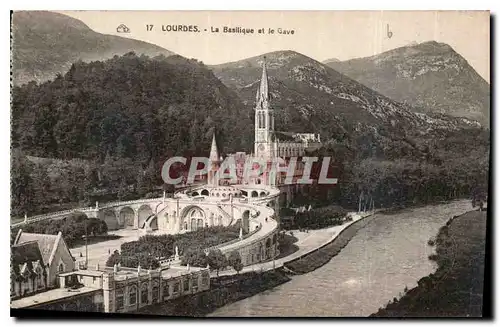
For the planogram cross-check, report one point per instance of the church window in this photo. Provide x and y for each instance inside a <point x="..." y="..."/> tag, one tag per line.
<point x="61" y="267"/>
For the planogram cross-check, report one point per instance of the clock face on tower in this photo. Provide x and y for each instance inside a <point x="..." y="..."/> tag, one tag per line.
<point x="262" y="147"/>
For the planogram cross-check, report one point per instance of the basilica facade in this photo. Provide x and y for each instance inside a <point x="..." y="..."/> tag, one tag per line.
<point x="269" y="143"/>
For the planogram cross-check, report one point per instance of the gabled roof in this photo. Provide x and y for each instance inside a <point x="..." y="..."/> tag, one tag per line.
<point x="46" y="243"/>
<point x="25" y="258"/>
<point x="28" y="251"/>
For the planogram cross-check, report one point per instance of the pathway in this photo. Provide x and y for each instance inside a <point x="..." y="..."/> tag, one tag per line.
<point x="98" y="252"/>
<point x="307" y="242"/>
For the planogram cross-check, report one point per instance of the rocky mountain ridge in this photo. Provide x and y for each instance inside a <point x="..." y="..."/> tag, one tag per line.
<point x="430" y="77"/>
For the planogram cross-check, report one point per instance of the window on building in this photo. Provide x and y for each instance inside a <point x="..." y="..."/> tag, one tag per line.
<point x="205" y="279"/>
<point x="195" y="282"/>
<point x="132" y="294"/>
<point x="61" y="267"/>
<point x="155" y="294"/>
<point x="166" y="290"/>
<point x="40" y="278"/>
<point x="144" y="293"/>
<point x="186" y="285"/>
<point x="119" y="300"/>
<point x="176" y="287"/>
<point x="155" y="291"/>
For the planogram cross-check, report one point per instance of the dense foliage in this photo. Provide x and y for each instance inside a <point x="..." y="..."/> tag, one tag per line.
<point x="319" y="218"/>
<point x="234" y="260"/>
<point x="73" y="228"/>
<point x="422" y="170"/>
<point x="145" y="260"/>
<point x="190" y="245"/>
<point x="217" y="260"/>
<point x="129" y="106"/>
<point x="44" y="185"/>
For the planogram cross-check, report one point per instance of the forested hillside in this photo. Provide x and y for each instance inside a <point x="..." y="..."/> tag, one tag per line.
<point x="124" y="117"/>
<point x="128" y="106"/>
<point x="112" y="124"/>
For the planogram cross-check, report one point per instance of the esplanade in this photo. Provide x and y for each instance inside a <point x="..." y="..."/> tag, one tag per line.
<point x="252" y="201"/>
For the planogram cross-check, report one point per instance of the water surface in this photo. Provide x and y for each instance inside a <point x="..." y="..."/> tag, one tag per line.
<point x="386" y="255"/>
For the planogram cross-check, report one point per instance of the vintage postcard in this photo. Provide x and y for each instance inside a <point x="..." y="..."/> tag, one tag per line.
<point x="250" y="164"/>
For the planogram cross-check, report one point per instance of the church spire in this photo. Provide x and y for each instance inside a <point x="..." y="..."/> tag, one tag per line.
<point x="214" y="153"/>
<point x="263" y="92"/>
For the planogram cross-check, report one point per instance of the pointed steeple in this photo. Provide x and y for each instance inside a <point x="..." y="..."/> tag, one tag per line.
<point x="214" y="153"/>
<point x="263" y="91"/>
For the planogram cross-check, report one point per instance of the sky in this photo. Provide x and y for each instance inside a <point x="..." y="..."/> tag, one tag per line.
<point x="320" y="35"/>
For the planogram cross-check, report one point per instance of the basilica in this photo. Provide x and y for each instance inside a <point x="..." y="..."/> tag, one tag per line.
<point x="269" y="144"/>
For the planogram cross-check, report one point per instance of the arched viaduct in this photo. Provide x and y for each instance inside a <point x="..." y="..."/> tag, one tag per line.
<point x="255" y="207"/>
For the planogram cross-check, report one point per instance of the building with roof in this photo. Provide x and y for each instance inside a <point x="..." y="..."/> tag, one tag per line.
<point x="28" y="271"/>
<point x="269" y="143"/>
<point x="118" y="289"/>
<point x="54" y="253"/>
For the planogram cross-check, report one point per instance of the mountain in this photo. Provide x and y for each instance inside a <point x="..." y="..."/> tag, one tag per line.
<point x="430" y="77"/>
<point x="327" y="61"/>
<point x="309" y="96"/>
<point x="126" y="115"/>
<point x="128" y="107"/>
<point x="46" y="43"/>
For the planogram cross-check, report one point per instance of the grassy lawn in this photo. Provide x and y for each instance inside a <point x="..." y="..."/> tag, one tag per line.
<point x="456" y="288"/>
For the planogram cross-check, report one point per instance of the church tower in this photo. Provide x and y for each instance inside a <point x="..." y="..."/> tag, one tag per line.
<point x="214" y="161"/>
<point x="264" y="119"/>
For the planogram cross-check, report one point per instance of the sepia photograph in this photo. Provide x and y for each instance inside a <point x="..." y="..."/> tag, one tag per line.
<point x="250" y="164"/>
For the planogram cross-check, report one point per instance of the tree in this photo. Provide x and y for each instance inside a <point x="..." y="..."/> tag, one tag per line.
<point x="113" y="259"/>
<point x="21" y="184"/>
<point x="234" y="261"/>
<point x="195" y="258"/>
<point x="122" y="189"/>
<point x="217" y="260"/>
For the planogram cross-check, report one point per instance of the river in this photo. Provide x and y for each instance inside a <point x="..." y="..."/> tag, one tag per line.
<point x="388" y="254"/>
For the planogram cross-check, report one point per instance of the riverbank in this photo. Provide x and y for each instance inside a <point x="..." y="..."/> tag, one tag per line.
<point x="323" y="254"/>
<point x="230" y="288"/>
<point x="223" y="290"/>
<point x="455" y="289"/>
